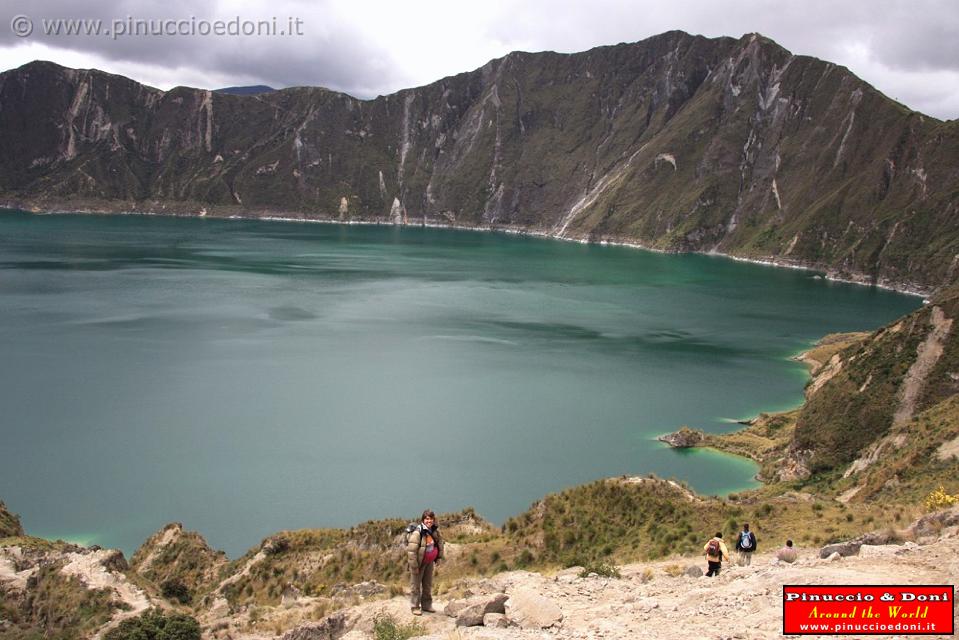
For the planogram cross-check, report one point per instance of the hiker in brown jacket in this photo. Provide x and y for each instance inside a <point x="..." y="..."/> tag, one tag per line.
<point x="716" y="552"/>
<point x="424" y="548"/>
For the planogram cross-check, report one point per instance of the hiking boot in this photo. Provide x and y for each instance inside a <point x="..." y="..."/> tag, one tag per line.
<point x="416" y="611"/>
<point x="428" y="609"/>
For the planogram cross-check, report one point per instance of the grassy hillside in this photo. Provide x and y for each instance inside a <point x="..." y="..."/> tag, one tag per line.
<point x="886" y="379"/>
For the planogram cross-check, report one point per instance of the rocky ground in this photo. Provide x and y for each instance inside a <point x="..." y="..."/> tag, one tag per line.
<point x="664" y="600"/>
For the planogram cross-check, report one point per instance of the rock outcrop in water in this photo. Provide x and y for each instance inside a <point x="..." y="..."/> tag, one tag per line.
<point x="684" y="438"/>
<point x="677" y="142"/>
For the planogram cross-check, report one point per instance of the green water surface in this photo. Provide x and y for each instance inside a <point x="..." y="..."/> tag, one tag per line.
<point x="245" y="377"/>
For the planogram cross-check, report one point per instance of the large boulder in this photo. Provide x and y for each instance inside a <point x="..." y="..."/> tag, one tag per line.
<point x="930" y="525"/>
<point x="852" y="547"/>
<point x="528" y="609"/>
<point x="844" y="549"/>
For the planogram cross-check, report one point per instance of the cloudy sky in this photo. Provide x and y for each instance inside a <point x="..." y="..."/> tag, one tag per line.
<point x="907" y="49"/>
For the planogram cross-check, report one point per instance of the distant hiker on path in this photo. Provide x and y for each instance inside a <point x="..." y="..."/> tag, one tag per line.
<point x="787" y="553"/>
<point x="716" y="552"/>
<point x="745" y="545"/>
<point x="424" y="548"/>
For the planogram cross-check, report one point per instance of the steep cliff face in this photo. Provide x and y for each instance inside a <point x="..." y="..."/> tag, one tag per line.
<point x="676" y="142"/>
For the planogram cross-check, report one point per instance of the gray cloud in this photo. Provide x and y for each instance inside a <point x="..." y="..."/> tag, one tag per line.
<point x="908" y="50"/>
<point x="336" y="56"/>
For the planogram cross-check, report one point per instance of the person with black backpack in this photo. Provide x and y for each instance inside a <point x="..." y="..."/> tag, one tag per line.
<point x="424" y="548"/>
<point x="745" y="545"/>
<point x="715" y="551"/>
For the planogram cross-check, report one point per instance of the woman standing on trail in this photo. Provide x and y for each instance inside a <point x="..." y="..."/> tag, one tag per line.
<point x="424" y="548"/>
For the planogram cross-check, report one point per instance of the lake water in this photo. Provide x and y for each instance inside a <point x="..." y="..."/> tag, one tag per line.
<point x="246" y="377"/>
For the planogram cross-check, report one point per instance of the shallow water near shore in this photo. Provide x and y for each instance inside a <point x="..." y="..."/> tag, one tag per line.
<point x="245" y="377"/>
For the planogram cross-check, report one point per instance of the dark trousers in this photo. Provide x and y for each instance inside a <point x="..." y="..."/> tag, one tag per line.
<point x="714" y="568"/>
<point x="421" y="587"/>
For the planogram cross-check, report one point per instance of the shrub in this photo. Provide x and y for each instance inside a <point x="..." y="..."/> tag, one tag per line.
<point x="174" y="589"/>
<point x="385" y="627"/>
<point x="939" y="499"/>
<point x="602" y="569"/>
<point x="154" y="625"/>
<point x="525" y="558"/>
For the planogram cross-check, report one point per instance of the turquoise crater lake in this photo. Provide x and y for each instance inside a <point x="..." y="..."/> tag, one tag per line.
<point x="245" y="377"/>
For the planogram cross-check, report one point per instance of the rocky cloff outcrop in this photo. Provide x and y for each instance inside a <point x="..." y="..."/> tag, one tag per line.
<point x="63" y="590"/>
<point x="180" y="562"/>
<point x="684" y="438"/>
<point x="9" y="523"/>
<point x="678" y="142"/>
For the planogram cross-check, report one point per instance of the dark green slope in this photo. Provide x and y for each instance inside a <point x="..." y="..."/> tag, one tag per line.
<point x="870" y="407"/>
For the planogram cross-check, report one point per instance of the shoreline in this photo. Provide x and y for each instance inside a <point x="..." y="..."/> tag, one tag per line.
<point x="203" y="214"/>
<point x="711" y="441"/>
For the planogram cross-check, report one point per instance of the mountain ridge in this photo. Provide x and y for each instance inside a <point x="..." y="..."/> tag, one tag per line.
<point x="676" y="143"/>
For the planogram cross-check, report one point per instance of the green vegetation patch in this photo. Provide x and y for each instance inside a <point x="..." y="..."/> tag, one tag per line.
<point x="386" y="627"/>
<point x="155" y="625"/>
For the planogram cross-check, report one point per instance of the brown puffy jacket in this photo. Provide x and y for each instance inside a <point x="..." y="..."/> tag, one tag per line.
<point x="415" y="550"/>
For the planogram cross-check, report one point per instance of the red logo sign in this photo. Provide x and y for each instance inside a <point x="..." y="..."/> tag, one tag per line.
<point x="868" y="609"/>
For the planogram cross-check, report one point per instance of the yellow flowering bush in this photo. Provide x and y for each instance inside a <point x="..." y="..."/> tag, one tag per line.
<point x="939" y="499"/>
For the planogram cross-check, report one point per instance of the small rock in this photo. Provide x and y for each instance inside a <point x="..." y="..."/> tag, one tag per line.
<point x="835" y="556"/>
<point x="693" y="571"/>
<point x="495" y="621"/>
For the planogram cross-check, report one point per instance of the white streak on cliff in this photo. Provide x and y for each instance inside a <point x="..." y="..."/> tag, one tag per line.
<point x="594" y="193"/>
<point x="405" y="135"/>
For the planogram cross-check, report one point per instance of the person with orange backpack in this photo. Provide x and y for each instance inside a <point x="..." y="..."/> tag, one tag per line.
<point x="716" y="552"/>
